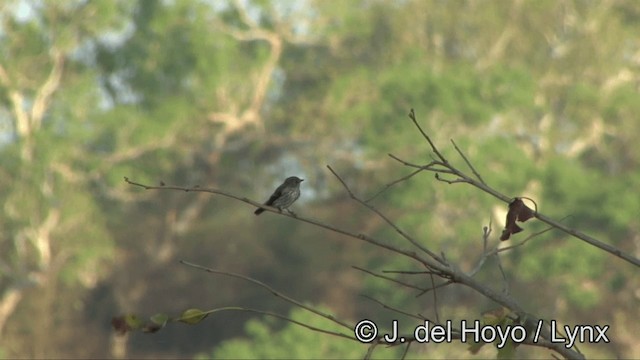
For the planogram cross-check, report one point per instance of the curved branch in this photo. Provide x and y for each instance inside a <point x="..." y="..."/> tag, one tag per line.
<point x="282" y="317"/>
<point x="273" y="291"/>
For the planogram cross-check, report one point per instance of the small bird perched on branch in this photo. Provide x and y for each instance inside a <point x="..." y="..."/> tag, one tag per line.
<point x="285" y="195"/>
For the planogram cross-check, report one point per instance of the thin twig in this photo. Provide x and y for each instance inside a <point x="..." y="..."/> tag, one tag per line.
<point x="455" y="181"/>
<point x="521" y="243"/>
<point x="387" y="186"/>
<point x="435" y="299"/>
<point x="388" y="307"/>
<point x="406" y="350"/>
<point x="197" y="188"/>
<point x="592" y="241"/>
<point x="504" y="276"/>
<point x="386" y="219"/>
<point x="282" y="317"/>
<point x="473" y="169"/>
<point x="370" y="349"/>
<point x="446" y="283"/>
<point x="411" y="286"/>
<point x="273" y="291"/>
<point x="463" y="178"/>
<point x="429" y="166"/>
<point x="486" y="231"/>
<point x="408" y="272"/>
<point x="497" y="249"/>
<point x="412" y="116"/>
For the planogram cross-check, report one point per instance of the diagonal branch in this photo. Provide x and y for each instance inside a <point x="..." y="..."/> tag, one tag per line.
<point x="464" y="178"/>
<point x="388" y="278"/>
<point x="273" y="291"/>
<point x="473" y="169"/>
<point x="388" y="221"/>
<point x="411" y="254"/>
<point x="394" y="309"/>
<point x="281" y="317"/>
<point x="412" y="116"/>
<point x="387" y="186"/>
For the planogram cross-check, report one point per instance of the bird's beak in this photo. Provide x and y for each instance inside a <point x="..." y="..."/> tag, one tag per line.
<point x="301" y="180"/>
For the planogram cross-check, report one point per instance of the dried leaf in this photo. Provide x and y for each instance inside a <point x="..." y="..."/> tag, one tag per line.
<point x="119" y="325"/>
<point x="517" y="211"/>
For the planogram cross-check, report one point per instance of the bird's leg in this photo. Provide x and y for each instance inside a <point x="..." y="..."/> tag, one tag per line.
<point x="292" y="213"/>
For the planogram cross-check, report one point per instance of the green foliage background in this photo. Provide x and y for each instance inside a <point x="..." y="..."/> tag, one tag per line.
<point x="542" y="96"/>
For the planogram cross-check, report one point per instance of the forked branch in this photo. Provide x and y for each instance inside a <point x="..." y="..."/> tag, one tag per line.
<point x="442" y="166"/>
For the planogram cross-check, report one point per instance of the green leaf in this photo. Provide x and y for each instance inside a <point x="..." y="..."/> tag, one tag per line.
<point x="160" y="319"/>
<point x="192" y="316"/>
<point x="133" y="321"/>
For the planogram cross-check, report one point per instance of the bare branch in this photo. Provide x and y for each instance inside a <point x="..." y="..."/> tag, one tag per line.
<point x="435" y="299"/>
<point x="388" y="307"/>
<point x="282" y="317"/>
<point x="369" y="353"/>
<point x="202" y="314"/>
<point x="591" y="240"/>
<point x="458" y="180"/>
<point x="464" y="178"/>
<point x="504" y="276"/>
<point x="406" y="350"/>
<point x="434" y="287"/>
<point x="272" y="291"/>
<point x="486" y="231"/>
<point x="387" y="186"/>
<point x="411" y="286"/>
<point x="467" y="162"/>
<point x="361" y="237"/>
<point x="412" y="116"/>
<point x="387" y="220"/>
<point x="521" y="243"/>
<point x="429" y="166"/>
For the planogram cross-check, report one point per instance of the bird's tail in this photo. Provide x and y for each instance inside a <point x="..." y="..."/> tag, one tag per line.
<point x="258" y="211"/>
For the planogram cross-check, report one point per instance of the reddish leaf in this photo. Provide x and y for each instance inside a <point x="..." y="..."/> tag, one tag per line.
<point x="517" y="211"/>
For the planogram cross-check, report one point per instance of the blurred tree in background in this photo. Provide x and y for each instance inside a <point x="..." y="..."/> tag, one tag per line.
<point x="237" y="95"/>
